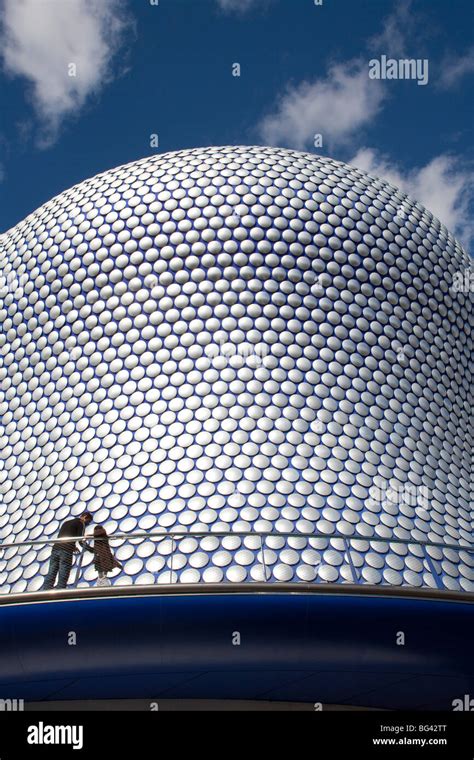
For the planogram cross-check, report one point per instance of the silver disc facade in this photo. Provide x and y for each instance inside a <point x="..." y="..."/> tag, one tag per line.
<point x="238" y="339"/>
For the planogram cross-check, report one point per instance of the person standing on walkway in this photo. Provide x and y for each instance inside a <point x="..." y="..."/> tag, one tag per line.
<point x="61" y="559"/>
<point x="104" y="560"/>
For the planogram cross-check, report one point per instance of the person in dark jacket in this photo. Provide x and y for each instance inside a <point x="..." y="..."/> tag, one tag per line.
<point x="104" y="560"/>
<point x="62" y="552"/>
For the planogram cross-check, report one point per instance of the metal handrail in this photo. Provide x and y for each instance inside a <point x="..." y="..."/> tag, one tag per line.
<point x="274" y="534"/>
<point x="176" y="535"/>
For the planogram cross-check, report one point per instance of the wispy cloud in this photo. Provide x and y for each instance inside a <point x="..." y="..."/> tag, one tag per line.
<point x="454" y="68"/>
<point x="46" y="42"/>
<point x="444" y="185"/>
<point x="345" y="101"/>
<point x="335" y="106"/>
<point x="405" y="33"/>
<point x="339" y="104"/>
<point x="397" y="32"/>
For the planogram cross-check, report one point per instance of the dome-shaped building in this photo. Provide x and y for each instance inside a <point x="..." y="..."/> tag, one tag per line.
<point x="238" y="340"/>
<point x="254" y="367"/>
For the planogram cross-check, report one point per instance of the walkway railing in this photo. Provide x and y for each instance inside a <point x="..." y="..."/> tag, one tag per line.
<point x="169" y="557"/>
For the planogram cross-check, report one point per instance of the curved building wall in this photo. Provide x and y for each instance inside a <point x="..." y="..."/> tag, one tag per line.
<point x="238" y="339"/>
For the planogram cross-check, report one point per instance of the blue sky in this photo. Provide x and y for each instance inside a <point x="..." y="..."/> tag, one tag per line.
<point x="167" y="69"/>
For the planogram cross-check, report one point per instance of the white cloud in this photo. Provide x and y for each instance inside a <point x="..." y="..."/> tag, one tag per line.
<point x="336" y="107"/>
<point x="41" y="38"/>
<point x="454" y="68"/>
<point x="444" y="186"/>
<point x="341" y="104"/>
<point x="397" y="31"/>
